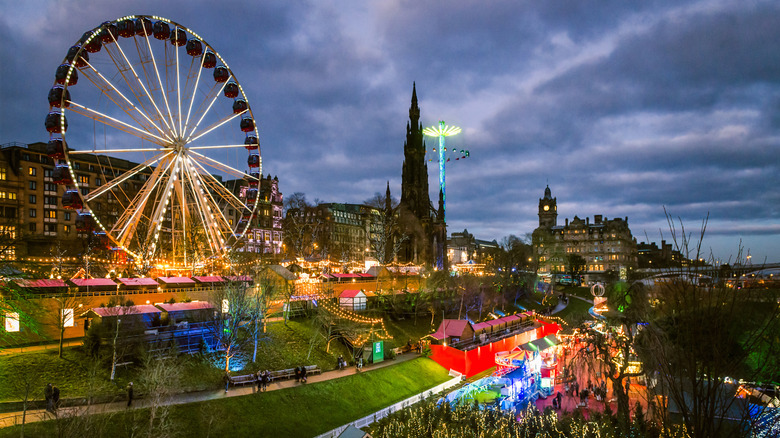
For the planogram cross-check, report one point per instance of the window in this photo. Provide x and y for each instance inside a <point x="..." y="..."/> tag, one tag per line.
<point x="32" y="171"/>
<point x="77" y="165"/>
<point x="50" y="200"/>
<point x="3" y="174"/>
<point x="48" y="173"/>
<point x="33" y="199"/>
<point x="33" y="212"/>
<point x="32" y="227"/>
<point x="84" y="179"/>
<point x="91" y="168"/>
<point x="67" y="318"/>
<point x="50" y="214"/>
<point x="98" y="181"/>
<point x="84" y="191"/>
<point x="49" y="187"/>
<point x="50" y="228"/>
<point x="12" y="322"/>
<point x="33" y="185"/>
<point x="66" y="229"/>
<point x="67" y="216"/>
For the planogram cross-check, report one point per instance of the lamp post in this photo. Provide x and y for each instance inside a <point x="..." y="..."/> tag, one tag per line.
<point x="442" y="131"/>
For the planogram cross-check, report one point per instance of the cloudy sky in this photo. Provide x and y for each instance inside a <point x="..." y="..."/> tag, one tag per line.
<point x="623" y="108"/>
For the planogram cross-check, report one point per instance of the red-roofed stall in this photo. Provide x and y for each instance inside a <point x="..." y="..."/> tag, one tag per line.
<point x="43" y="286"/>
<point x="353" y="299"/>
<point x="176" y="282"/>
<point x="194" y="311"/>
<point x="137" y="283"/>
<point x="209" y="280"/>
<point x="93" y="284"/>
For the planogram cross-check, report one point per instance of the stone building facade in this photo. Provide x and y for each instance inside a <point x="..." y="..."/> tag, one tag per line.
<point x="592" y="249"/>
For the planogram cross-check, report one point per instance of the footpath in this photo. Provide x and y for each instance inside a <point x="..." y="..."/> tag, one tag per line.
<point x="14" y="418"/>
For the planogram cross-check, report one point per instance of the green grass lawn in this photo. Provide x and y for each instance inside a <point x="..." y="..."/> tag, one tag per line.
<point x="301" y="411"/>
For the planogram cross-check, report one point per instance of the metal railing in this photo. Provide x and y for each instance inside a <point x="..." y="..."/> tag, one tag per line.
<point x="378" y="415"/>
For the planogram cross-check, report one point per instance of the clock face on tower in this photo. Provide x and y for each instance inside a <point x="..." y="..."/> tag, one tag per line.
<point x="546" y="207"/>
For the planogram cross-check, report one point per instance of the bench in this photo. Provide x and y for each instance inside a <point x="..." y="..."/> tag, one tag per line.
<point x="290" y="372"/>
<point x="243" y="379"/>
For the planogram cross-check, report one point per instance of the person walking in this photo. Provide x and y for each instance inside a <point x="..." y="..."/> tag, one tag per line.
<point x="558" y="397"/>
<point x="129" y="394"/>
<point x="48" y="393"/>
<point x="55" y="398"/>
<point x="266" y="380"/>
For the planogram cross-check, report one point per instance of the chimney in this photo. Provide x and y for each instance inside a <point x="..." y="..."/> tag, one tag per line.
<point x="587" y="220"/>
<point x="567" y="222"/>
<point x="597" y="219"/>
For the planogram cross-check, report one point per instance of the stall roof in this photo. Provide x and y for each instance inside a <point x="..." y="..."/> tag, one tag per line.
<point x="90" y="282"/>
<point x="175" y="280"/>
<point x="209" y="279"/>
<point x="541" y="344"/>
<point x="450" y="327"/>
<point x="239" y="278"/>
<point x="43" y="283"/>
<point x="127" y="311"/>
<point x="183" y="307"/>
<point x="138" y="281"/>
<point x="351" y="293"/>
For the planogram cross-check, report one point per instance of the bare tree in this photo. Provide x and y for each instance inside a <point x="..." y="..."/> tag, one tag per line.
<point x="385" y="236"/>
<point x="701" y="333"/>
<point x="231" y="304"/>
<point x="303" y="228"/>
<point x="259" y="308"/>
<point x="159" y="381"/>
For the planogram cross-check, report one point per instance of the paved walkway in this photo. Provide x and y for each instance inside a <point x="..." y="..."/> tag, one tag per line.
<point x="13" y="418"/>
<point x="38" y="348"/>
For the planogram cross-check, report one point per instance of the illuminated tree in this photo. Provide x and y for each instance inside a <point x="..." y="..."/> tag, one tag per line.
<point x="231" y="304"/>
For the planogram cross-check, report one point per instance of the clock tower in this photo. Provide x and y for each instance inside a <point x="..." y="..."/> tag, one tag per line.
<point x="548" y="210"/>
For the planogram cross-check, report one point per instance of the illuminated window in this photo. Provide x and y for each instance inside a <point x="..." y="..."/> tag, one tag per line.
<point x="50" y="214"/>
<point x="12" y="196"/>
<point x="66" y="229"/>
<point x="67" y="318"/>
<point x="12" y="322"/>
<point x="32" y="171"/>
<point x="83" y="179"/>
<point x="3" y="174"/>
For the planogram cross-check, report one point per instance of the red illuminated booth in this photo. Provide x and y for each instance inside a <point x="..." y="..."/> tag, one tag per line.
<point x="456" y="344"/>
<point x="86" y="285"/>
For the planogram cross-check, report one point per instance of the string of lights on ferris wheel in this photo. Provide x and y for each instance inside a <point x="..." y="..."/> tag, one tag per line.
<point x="442" y="131"/>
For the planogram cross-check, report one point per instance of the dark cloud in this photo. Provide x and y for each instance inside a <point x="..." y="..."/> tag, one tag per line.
<point x="623" y="108"/>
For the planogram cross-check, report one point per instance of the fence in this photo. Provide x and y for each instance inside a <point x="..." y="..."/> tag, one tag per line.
<point x="378" y="415"/>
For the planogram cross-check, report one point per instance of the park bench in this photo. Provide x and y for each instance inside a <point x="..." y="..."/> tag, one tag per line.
<point x="290" y="372"/>
<point x="243" y="379"/>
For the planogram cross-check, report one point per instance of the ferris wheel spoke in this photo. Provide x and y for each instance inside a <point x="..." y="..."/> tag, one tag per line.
<point x="192" y="100"/>
<point x="141" y="84"/>
<point x="163" y="89"/>
<point x="112" y="92"/>
<point x="194" y="176"/>
<point x="226" y="194"/>
<point x="208" y="108"/>
<point x="124" y="177"/>
<point x="123" y="65"/>
<point x="215" y="126"/>
<point x="127" y="224"/>
<point x="217" y="165"/>
<point x="114" y="151"/>
<point x="115" y="123"/>
<point x="206" y="215"/>
<point x="224" y="146"/>
<point x="155" y="220"/>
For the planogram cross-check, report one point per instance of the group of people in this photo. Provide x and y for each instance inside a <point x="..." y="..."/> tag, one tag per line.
<point x="300" y="374"/>
<point x="341" y="363"/>
<point x="556" y="402"/>
<point x="52" y="395"/>
<point x="263" y="379"/>
<point x="599" y="390"/>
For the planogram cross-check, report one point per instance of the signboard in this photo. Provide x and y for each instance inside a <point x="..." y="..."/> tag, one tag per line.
<point x="378" y="352"/>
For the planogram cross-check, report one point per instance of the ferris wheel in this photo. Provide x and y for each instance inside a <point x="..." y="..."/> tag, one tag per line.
<point x="162" y="158"/>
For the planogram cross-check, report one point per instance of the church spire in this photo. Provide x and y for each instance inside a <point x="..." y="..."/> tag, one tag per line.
<point x="414" y="110"/>
<point x="388" y="199"/>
